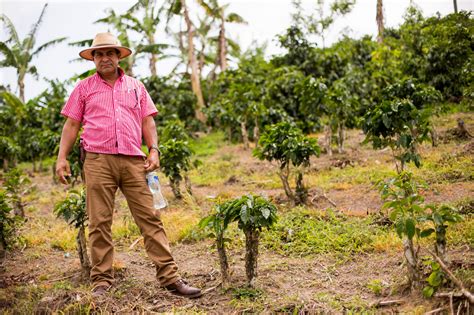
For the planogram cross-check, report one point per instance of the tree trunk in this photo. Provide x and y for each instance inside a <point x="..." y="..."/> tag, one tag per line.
<point x="82" y="252"/>
<point x="222" y="45"/>
<point x="174" y="182"/>
<point x="340" y="137"/>
<point x="21" y="86"/>
<point x="195" y="82"/>
<point x="251" y="255"/>
<point x="151" y="41"/>
<point x="328" y="135"/>
<point x="245" y="136"/>
<point x="5" y="165"/>
<point x="223" y="262"/>
<point x="187" y="184"/>
<point x="440" y="247"/>
<point x="256" y="132"/>
<point x="301" y="193"/>
<point x="455" y="2"/>
<point x="3" y="243"/>
<point x="434" y="137"/>
<point x="35" y="168"/>
<point x="229" y="131"/>
<point x="130" y="62"/>
<point x="379" y="19"/>
<point x="412" y="263"/>
<point x="18" y="208"/>
<point x="461" y="131"/>
<point x="53" y="171"/>
<point x="284" y="174"/>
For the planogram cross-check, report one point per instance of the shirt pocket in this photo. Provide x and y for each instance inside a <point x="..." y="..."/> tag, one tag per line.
<point x="130" y="99"/>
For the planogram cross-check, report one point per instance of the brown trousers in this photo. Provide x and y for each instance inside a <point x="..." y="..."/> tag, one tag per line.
<point x="104" y="173"/>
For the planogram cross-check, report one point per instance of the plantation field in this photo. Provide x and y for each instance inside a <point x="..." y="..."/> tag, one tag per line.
<point x="333" y="255"/>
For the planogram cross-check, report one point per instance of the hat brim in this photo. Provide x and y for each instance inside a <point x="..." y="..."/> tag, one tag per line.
<point x="87" y="53"/>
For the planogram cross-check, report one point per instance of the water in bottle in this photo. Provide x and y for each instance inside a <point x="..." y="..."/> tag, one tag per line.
<point x="153" y="181"/>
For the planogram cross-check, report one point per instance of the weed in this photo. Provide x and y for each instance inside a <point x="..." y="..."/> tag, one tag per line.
<point x="303" y="232"/>
<point x="207" y="145"/>
<point x="125" y="228"/>
<point x="447" y="168"/>
<point x="180" y="224"/>
<point x="375" y="286"/>
<point x="214" y="173"/>
<point x="63" y="285"/>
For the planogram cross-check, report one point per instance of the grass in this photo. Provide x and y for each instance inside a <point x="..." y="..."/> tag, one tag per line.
<point x="207" y="145"/>
<point x="213" y="173"/>
<point x="299" y="232"/>
<point x="347" y="177"/>
<point x="304" y="232"/>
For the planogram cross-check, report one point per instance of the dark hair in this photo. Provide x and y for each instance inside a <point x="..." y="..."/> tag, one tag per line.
<point x="116" y="51"/>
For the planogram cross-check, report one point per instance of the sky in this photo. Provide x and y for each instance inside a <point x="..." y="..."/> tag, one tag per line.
<point x="266" y="18"/>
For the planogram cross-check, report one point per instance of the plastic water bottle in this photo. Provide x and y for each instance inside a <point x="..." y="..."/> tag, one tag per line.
<point x="153" y="181"/>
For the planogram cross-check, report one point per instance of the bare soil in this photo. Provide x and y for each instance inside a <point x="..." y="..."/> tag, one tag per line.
<point x="321" y="283"/>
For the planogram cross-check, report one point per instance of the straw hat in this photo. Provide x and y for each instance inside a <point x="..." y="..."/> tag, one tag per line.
<point x="105" y="40"/>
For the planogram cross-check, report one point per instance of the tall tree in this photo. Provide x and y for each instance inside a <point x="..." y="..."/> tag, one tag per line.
<point x="379" y="19"/>
<point x="19" y="53"/>
<point x="146" y="26"/>
<point x="179" y="7"/>
<point x="124" y="23"/>
<point x="217" y="12"/>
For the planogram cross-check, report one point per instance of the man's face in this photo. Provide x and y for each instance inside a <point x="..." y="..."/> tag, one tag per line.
<point x="106" y="60"/>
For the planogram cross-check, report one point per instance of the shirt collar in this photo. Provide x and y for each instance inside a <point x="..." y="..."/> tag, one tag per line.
<point x="120" y="77"/>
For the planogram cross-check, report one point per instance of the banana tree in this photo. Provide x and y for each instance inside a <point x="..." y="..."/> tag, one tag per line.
<point x="20" y="53"/>
<point x="379" y="19"/>
<point x="217" y="12"/>
<point x="180" y="8"/>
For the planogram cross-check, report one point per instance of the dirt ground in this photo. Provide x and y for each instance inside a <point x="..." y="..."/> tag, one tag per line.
<point x="320" y="283"/>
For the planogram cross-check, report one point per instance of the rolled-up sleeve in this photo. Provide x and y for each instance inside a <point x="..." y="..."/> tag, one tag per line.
<point x="146" y="103"/>
<point x="74" y="107"/>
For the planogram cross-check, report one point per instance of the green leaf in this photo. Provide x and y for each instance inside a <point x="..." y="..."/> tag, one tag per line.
<point x="266" y="213"/>
<point x="410" y="227"/>
<point x="435" y="279"/>
<point x="428" y="291"/>
<point x="427" y="232"/>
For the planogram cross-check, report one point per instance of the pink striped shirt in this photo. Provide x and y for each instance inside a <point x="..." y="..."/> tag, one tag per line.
<point x="111" y="116"/>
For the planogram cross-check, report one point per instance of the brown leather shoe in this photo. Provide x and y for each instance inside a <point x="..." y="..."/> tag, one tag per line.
<point x="100" y="290"/>
<point x="181" y="288"/>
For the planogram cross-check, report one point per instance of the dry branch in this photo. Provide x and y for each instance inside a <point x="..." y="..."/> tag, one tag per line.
<point x="456" y="281"/>
<point x="435" y="311"/>
<point x="386" y="303"/>
<point x="323" y="196"/>
<point x="135" y="242"/>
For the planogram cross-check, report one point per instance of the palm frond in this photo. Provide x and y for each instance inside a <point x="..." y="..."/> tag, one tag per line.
<point x="153" y="48"/>
<point x="48" y="44"/>
<point x="82" y="43"/>
<point x="209" y="11"/>
<point x="83" y="75"/>
<point x="11" y="29"/>
<point x="235" y="18"/>
<point x="31" y="36"/>
<point x="10" y="60"/>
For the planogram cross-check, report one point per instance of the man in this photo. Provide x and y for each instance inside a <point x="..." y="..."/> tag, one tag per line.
<point x="116" y="111"/>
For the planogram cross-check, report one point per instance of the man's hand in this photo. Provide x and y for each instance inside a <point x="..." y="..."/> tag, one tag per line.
<point x="152" y="162"/>
<point x="63" y="170"/>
